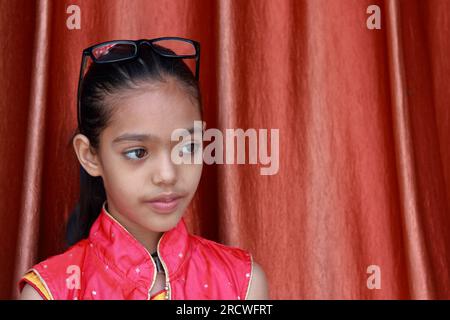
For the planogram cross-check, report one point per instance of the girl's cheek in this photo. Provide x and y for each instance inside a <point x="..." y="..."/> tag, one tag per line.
<point x="196" y="175"/>
<point x="189" y="175"/>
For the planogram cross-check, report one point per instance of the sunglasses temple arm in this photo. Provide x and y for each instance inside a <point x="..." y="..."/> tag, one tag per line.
<point x="83" y="66"/>
<point x="197" y="68"/>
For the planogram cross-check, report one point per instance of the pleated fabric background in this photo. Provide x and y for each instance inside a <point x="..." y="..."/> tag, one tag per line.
<point x="364" y="120"/>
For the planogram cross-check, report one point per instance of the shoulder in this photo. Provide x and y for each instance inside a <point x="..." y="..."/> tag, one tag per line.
<point x="224" y="262"/>
<point x="213" y="248"/>
<point x="29" y="293"/>
<point x="72" y="256"/>
<point x="49" y="276"/>
<point x="259" y="288"/>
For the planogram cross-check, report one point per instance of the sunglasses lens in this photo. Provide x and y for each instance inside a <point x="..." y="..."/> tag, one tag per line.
<point x="114" y="51"/>
<point x="174" y="47"/>
<point x="177" y="48"/>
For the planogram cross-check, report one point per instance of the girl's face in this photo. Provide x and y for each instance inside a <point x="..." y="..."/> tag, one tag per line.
<point x="134" y="156"/>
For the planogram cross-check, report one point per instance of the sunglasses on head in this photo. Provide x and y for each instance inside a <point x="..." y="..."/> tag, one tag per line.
<point x="122" y="50"/>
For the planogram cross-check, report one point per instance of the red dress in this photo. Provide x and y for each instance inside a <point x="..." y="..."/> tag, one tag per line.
<point x="112" y="264"/>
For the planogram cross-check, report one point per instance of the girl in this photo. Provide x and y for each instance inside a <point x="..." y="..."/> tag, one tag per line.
<point x="128" y="236"/>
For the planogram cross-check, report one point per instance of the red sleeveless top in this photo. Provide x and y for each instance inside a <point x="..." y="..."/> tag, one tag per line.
<point x="112" y="264"/>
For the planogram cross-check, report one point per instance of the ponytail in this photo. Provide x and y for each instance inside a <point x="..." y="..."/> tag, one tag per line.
<point x="92" y="197"/>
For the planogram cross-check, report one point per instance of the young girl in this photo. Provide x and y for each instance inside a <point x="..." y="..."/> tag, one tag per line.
<point x="128" y="236"/>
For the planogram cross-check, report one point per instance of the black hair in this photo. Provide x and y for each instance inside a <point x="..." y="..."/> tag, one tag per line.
<point x="100" y="82"/>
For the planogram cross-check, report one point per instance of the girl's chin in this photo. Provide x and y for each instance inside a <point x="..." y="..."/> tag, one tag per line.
<point x="163" y="223"/>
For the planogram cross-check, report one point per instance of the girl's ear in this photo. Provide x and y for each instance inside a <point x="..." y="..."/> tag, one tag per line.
<point x="87" y="158"/>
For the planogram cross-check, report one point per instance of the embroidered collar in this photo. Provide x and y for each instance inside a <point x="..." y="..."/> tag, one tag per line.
<point x="124" y="253"/>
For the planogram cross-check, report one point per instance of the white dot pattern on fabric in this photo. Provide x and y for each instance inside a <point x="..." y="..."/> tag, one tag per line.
<point x="94" y="292"/>
<point x="45" y="266"/>
<point x="206" y="285"/>
<point x="138" y="270"/>
<point x="180" y="255"/>
<point x="91" y="245"/>
<point x="106" y="267"/>
<point x="247" y="275"/>
<point x="238" y="297"/>
<point x="75" y="298"/>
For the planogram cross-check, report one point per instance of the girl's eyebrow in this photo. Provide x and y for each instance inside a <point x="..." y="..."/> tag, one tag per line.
<point x="140" y="137"/>
<point x="134" y="137"/>
<point x="190" y="130"/>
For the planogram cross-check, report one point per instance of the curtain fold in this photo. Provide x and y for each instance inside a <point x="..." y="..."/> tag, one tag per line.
<point x="29" y="214"/>
<point x="420" y="281"/>
<point x="363" y="115"/>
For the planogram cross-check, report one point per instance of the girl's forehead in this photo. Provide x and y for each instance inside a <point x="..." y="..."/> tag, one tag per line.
<point x="156" y="112"/>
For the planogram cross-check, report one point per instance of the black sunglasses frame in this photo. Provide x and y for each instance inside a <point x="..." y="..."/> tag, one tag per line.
<point x="88" y="52"/>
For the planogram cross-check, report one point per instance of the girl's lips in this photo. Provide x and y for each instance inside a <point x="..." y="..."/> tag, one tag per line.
<point x="165" y="205"/>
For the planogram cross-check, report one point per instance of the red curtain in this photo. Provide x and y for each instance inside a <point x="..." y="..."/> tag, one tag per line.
<point x="364" y="120"/>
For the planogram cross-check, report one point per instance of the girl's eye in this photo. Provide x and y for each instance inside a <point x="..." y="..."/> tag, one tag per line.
<point x="190" y="148"/>
<point x="136" y="154"/>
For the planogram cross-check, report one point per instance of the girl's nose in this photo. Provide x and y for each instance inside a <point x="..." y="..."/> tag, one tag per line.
<point x="165" y="172"/>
